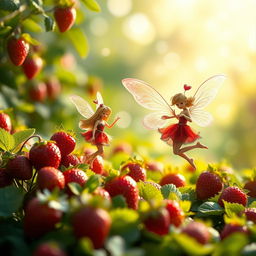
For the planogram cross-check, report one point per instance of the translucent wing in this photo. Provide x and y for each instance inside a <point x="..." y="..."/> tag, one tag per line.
<point x="149" y="98"/>
<point x="204" y="95"/>
<point x="82" y="106"/>
<point x="99" y="98"/>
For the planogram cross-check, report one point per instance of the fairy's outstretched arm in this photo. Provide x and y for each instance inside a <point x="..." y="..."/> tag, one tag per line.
<point x="111" y="125"/>
<point x="168" y="117"/>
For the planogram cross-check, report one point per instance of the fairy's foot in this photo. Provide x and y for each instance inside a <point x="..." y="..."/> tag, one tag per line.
<point x="199" y="145"/>
<point x="191" y="161"/>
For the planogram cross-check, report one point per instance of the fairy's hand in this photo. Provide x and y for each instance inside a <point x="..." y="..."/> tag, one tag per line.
<point x="165" y="117"/>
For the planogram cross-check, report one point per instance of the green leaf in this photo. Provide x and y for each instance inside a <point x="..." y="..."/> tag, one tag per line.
<point x="249" y="250"/>
<point x="30" y="39"/>
<point x="168" y="191"/>
<point x="79" y="41"/>
<point x="37" y="4"/>
<point x="92" y="5"/>
<point x="31" y="25"/>
<point x="119" y="202"/>
<point x="93" y="182"/>
<point x="48" y="23"/>
<point x="5" y="30"/>
<point x="210" y="208"/>
<point x="149" y="192"/>
<point x="21" y="136"/>
<point x="115" y="246"/>
<point x="11" y="199"/>
<point x="252" y="205"/>
<point x="233" y="208"/>
<point x="9" y="5"/>
<point x="7" y="141"/>
<point x="191" y="246"/>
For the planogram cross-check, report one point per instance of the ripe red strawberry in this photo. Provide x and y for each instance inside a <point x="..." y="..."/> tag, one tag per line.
<point x="5" y="179"/>
<point x="125" y="186"/>
<point x="251" y="186"/>
<point x="173" y="178"/>
<point x="175" y="212"/>
<point x="198" y="231"/>
<point x="232" y="228"/>
<point x="40" y="218"/>
<point x="32" y="66"/>
<point x="75" y="175"/>
<point x="53" y="88"/>
<point x="69" y="160"/>
<point x="17" y="50"/>
<point x="93" y="223"/>
<point x="136" y="171"/>
<point x="5" y="122"/>
<point x="50" y="178"/>
<point x="158" y="222"/>
<point x="208" y="185"/>
<point x="64" y="141"/>
<point x="48" y="249"/>
<point x="19" y="168"/>
<point x="65" y="17"/>
<point x="38" y="92"/>
<point x="250" y="214"/>
<point x="233" y="195"/>
<point x="102" y="192"/>
<point x="154" y="166"/>
<point x="44" y="154"/>
<point x="97" y="165"/>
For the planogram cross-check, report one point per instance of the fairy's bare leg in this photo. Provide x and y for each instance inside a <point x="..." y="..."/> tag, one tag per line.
<point x="177" y="151"/>
<point x="197" y="145"/>
<point x="91" y="157"/>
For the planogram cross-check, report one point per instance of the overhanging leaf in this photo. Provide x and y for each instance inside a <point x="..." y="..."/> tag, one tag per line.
<point x="48" y="23"/>
<point x="21" y="136"/>
<point x="210" y="208"/>
<point x="79" y="40"/>
<point x="9" y="5"/>
<point x="92" y="5"/>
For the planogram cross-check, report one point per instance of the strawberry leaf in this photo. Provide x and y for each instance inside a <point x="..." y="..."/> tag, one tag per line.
<point x="92" y="183"/>
<point x="170" y="190"/>
<point x="48" y="23"/>
<point x="149" y="192"/>
<point x="21" y="136"/>
<point x="233" y="208"/>
<point x="11" y="199"/>
<point x="9" y="5"/>
<point x="7" y="141"/>
<point x="92" y="5"/>
<point x="210" y="208"/>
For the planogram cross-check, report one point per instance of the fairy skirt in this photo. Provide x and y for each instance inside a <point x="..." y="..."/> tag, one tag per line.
<point x="100" y="137"/>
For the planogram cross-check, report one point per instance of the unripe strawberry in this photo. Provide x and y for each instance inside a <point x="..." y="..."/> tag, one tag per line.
<point x="97" y="165"/>
<point x="5" y="179"/>
<point x="53" y="88"/>
<point x="125" y="186"/>
<point x="93" y="223"/>
<point x="231" y="229"/>
<point x="208" y="185"/>
<point x="32" y="66"/>
<point x="38" y="92"/>
<point x="65" y="142"/>
<point x="75" y="175"/>
<point x="45" y="154"/>
<point x="136" y="171"/>
<point x="5" y="122"/>
<point x="158" y="222"/>
<point x="50" y="178"/>
<point x="19" y="168"/>
<point x="198" y="231"/>
<point x="65" y="17"/>
<point x="40" y="218"/>
<point x="48" y="249"/>
<point x="251" y="186"/>
<point x="233" y="195"/>
<point x="173" y="178"/>
<point x="69" y="160"/>
<point x="175" y="212"/>
<point x="17" y="50"/>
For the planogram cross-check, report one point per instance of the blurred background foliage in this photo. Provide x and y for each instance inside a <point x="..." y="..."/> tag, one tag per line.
<point x="166" y="43"/>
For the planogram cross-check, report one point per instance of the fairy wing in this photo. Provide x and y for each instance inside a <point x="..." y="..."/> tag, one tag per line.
<point x="149" y="98"/>
<point x="204" y="95"/>
<point x="99" y="99"/>
<point x="82" y="106"/>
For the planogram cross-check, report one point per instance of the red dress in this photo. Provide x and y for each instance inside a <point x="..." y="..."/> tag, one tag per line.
<point x="179" y="132"/>
<point x="100" y="137"/>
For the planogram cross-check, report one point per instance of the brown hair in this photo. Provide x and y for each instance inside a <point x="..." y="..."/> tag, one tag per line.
<point x="181" y="97"/>
<point x="90" y="122"/>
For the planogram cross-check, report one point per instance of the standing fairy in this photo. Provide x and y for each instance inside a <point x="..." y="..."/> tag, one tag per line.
<point x="192" y="111"/>
<point x="95" y="122"/>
